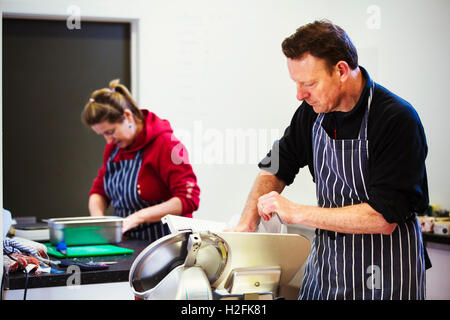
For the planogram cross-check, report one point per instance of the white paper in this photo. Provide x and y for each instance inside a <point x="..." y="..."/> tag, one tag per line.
<point x="274" y="225"/>
<point x="177" y="223"/>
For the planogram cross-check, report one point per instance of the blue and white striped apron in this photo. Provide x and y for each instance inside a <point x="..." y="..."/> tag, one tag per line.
<point x="358" y="266"/>
<point x="120" y="182"/>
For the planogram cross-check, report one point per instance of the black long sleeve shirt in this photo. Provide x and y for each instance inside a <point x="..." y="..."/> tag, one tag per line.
<point x="397" y="184"/>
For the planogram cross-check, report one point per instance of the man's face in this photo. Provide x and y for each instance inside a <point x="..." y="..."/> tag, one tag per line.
<point x="315" y="84"/>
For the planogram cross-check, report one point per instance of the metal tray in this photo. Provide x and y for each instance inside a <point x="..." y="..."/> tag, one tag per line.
<point x="85" y="230"/>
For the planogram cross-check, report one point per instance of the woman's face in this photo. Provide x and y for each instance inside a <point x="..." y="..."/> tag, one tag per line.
<point x="121" y="134"/>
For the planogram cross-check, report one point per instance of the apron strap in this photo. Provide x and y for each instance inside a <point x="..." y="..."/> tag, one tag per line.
<point x="363" y="129"/>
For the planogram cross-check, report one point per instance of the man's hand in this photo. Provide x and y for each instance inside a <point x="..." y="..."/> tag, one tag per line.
<point x="264" y="183"/>
<point x="243" y="226"/>
<point x="273" y="202"/>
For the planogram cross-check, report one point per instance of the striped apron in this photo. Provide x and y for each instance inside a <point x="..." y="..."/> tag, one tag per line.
<point x="120" y="182"/>
<point x="358" y="266"/>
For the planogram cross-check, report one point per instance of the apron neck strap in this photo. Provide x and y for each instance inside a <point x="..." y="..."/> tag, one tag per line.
<point x="363" y="130"/>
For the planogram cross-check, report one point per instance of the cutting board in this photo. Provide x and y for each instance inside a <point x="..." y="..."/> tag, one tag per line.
<point x="88" y="251"/>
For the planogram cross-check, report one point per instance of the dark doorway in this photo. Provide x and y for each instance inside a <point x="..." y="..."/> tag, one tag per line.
<point x="49" y="157"/>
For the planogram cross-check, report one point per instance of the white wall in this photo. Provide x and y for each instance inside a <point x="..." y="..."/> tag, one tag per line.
<point x="215" y="67"/>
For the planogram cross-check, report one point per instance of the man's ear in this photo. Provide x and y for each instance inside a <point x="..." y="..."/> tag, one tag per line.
<point x="343" y="70"/>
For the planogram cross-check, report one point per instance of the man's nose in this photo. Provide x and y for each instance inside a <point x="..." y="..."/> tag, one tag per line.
<point x="301" y="93"/>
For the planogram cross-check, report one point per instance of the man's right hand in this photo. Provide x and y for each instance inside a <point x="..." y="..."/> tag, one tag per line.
<point x="243" y="227"/>
<point x="264" y="183"/>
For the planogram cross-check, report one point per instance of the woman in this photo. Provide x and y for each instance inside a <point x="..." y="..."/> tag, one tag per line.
<point x="142" y="176"/>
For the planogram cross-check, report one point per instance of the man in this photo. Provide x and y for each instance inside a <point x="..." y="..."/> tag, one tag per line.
<point x="365" y="148"/>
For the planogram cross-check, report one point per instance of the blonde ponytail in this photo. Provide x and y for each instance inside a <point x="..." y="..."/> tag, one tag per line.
<point x="114" y="83"/>
<point x="108" y="104"/>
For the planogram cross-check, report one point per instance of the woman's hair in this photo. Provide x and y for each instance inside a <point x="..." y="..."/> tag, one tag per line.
<point x="324" y="40"/>
<point x="109" y="104"/>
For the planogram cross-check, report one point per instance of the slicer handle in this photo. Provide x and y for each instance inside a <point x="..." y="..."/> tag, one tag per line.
<point x="194" y="243"/>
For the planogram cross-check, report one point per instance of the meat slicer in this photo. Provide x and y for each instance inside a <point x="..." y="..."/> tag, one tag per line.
<point x="189" y="265"/>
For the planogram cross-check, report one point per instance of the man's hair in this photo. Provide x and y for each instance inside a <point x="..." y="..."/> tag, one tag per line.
<point x="324" y="40"/>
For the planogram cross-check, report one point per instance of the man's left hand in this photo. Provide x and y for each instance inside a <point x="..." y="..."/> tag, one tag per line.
<point x="273" y="202"/>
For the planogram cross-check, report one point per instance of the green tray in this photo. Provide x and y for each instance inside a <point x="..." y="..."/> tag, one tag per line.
<point x="88" y="251"/>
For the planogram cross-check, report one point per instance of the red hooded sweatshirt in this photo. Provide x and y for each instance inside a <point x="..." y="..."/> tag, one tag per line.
<point x="165" y="170"/>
